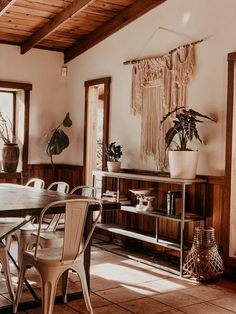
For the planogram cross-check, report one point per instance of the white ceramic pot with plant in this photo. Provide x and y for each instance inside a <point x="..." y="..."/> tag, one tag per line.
<point x="113" y="153"/>
<point x="183" y="160"/>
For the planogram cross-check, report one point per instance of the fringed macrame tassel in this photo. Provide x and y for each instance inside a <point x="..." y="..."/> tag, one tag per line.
<point x="158" y="86"/>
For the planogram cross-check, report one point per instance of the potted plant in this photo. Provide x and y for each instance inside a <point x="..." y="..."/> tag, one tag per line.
<point x="183" y="160"/>
<point x="113" y="153"/>
<point x="10" y="151"/>
<point x="58" y="140"/>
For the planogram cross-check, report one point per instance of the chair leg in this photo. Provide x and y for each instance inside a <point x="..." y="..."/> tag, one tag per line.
<point x="8" y="242"/>
<point x="20" y="286"/>
<point x="65" y="277"/>
<point x="82" y="275"/>
<point x="23" y="242"/>
<point x="49" y="287"/>
<point x="5" y="264"/>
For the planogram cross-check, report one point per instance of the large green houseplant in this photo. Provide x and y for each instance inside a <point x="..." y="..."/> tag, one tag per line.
<point x="113" y="154"/>
<point x="181" y="133"/>
<point x="59" y="140"/>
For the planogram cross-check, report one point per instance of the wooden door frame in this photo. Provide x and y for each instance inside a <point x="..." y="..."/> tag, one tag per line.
<point x="106" y="81"/>
<point x="228" y="159"/>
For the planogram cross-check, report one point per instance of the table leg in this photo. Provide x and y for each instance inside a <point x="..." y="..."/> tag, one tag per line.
<point x="87" y="253"/>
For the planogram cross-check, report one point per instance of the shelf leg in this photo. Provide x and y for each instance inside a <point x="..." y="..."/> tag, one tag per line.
<point x="182" y="230"/>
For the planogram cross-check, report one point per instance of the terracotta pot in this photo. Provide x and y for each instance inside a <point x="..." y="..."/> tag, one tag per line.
<point x="113" y="166"/>
<point x="183" y="164"/>
<point x="10" y="157"/>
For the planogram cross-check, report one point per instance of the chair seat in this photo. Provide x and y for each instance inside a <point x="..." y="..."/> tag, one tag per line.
<point x="32" y="227"/>
<point x="49" y="235"/>
<point x="47" y="256"/>
<point x="48" y="238"/>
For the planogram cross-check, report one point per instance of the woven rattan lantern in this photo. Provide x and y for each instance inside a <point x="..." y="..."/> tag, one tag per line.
<point x="204" y="261"/>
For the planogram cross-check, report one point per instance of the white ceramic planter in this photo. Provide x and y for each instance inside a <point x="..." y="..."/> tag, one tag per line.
<point x="183" y="164"/>
<point x="113" y="166"/>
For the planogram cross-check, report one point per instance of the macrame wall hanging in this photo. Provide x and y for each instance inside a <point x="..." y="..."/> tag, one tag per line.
<point x="158" y="86"/>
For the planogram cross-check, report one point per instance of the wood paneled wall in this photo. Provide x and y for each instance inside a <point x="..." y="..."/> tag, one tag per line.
<point x="73" y="175"/>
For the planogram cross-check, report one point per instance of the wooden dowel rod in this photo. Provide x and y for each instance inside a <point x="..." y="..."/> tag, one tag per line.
<point x="171" y="51"/>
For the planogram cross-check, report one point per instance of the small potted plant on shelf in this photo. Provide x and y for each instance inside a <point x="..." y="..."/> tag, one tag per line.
<point x="113" y="153"/>
<point x="182" y="159"/>
<point x="10" y="151"/>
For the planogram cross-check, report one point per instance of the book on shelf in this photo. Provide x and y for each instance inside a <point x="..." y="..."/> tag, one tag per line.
<point x="174" y="203"/>
<point x="111" y="196"/>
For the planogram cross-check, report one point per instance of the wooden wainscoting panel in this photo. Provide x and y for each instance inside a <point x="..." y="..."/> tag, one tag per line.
<point x="71" y="174"/>
<point x="10" y="177"/>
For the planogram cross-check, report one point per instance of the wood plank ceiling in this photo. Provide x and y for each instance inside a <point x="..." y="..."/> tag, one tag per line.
<point x="68" y="26"/>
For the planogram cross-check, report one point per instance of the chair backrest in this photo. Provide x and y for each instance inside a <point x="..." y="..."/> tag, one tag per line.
<point x="36" y="183"/>
<point x="84" y="190"/>
<point x="59" y="186"/>
<point x="76" y="211"/>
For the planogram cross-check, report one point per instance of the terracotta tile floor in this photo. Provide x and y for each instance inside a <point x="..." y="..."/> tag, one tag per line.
<point x="120" y="285"/>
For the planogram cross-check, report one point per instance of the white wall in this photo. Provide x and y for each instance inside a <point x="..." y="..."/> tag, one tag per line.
<point x="190" y="20"/>
<point x="53" y="95"/>
<point x="47" y="100"/>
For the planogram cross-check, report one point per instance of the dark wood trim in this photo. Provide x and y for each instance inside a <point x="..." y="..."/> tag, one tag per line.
<point x="98" y="81"/>
<point x="53" y="24"/>
<point x="5" y="5"/>
<point x="26" y="133"/>
<point x="14" y="114"/>
<point x="106" y="81"/>
<point x="57" y="166"/>
<point x="128" y="15"/>
<point x="228" y="155"/>
<point x="15" y="85"/>
<point x="231" y="56"/>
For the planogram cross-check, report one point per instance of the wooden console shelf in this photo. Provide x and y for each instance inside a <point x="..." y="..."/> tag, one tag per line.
<point x="156" y="214"/>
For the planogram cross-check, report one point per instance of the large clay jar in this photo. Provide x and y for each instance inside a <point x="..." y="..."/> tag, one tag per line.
<point x="10" y="157"/>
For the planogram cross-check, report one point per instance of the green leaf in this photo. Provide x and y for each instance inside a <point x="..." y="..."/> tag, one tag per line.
<point x="67" y="121"/>
<point x="58" y="142"/>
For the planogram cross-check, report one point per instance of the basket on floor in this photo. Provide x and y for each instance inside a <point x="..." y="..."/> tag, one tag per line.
<point x="204" y="261"/>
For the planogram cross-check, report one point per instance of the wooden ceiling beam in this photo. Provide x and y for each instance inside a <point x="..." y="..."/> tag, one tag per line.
<point x="128" y="15"/>
<point x="72" y="9"/>
<point x="5" y="5"/>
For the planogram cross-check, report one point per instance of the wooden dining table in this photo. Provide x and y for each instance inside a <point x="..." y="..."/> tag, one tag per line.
<point x="21" y="201"/>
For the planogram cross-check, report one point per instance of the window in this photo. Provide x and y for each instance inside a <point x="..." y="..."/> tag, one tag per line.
<point x="8" y="108"/>
<point x="14" y="105"/>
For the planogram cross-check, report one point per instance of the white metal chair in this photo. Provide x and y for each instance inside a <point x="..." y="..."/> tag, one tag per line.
<point x="36" y="183"/>
<point x="84" y="190"/>
<point x="56" y="262"/>
<point x="6" y="269"/>
<point x="24" y="233"/>
<point x="51" y="236"/>
<point x="7" y="224"/>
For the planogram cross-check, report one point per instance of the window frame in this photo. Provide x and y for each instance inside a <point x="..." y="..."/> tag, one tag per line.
<point x="26" y="88"/>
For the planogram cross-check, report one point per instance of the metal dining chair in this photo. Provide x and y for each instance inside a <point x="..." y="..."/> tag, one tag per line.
<point x="53" y="236"/>
<point x="9" y="223"/>
<point x="6" y="270"/>
<point x="24" y="233"/>
<point x="36" y="183"/>
<point x="54" y="263"/>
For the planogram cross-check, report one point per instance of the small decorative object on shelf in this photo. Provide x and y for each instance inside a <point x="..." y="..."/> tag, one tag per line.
<point x="113" y="153"/>
<point x="144" y="200"/>
<point x="204" y="261"/>
<point x="149" y="200"/>
<point x="174" y="203"/>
